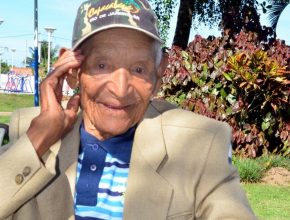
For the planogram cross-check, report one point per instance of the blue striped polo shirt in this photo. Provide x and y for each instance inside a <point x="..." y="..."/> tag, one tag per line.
<point x="102" y="174"/>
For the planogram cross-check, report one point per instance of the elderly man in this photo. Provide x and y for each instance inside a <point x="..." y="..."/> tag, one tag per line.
<point x="123" y="156"/>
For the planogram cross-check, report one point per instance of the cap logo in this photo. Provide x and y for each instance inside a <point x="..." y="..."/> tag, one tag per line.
<point x="100" y="11"/>
<point x="98" y="15"/>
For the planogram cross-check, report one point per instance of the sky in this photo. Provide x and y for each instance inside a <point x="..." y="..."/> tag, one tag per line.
<point x="17" y="30"/>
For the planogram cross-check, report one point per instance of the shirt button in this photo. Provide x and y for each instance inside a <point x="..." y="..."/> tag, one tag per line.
<point x="19" y="179"/>
<point x="95" y="147"/>
<point x="26" y="171"/>
<point x="93" y="167"/>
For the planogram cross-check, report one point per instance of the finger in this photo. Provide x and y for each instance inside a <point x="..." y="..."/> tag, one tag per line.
<point x="58" y="89"/>
<point x="49" y="97"/>
<point x="74" y="103"/>
<point x="70" y="62"/>
<point x="62" y="51"/>
<point x="51" y="92"/>
<point x="71" y="112"/>
<point x="65" y="57"/>
<point x="69" y="120"/>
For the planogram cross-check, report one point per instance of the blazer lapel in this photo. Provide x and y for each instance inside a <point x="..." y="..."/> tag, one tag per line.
<point x="68" y="155"/>
<point x="58" y="198"/>
<point x="148" y="194"/>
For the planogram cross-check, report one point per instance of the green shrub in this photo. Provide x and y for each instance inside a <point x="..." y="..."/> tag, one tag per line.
<point x="242" y="82"/>
<point x="249" y="169"/>
<point x="253" y="170"/>
<point x="269" y="161"/>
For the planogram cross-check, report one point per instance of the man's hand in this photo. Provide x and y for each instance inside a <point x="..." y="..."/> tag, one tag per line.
<point x="54" y="122"/>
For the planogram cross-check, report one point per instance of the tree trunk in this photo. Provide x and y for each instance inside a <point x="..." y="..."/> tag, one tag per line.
<point x="231" y="15"/>
<point x="184" y="21"/>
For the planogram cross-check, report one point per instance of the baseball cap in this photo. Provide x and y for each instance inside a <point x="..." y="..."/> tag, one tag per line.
<point x="94" y="16"/>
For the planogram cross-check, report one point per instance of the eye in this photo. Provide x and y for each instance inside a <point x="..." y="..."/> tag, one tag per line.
<point x="101" y="66"/>
<point x="139" y="70"/>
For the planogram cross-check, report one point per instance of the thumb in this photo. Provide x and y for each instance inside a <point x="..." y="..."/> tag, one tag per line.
<point x="71" y="113"/>
<point x="74" y="103"/>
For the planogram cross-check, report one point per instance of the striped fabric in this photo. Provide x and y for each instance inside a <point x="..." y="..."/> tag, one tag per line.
<point x="111" y="191"/>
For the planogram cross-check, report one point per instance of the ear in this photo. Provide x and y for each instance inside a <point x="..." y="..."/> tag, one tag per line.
<point x="72" y="77"/>
<point x="160" y="71"/>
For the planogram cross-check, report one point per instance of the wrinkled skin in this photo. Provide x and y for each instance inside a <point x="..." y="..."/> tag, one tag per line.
<point x="117" y="74"/>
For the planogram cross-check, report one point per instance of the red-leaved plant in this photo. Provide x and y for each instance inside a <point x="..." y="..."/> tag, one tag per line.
<point x="242" y="82"/>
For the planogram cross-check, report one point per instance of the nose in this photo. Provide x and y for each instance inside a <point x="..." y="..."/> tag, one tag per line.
<point x="120" y="82"/>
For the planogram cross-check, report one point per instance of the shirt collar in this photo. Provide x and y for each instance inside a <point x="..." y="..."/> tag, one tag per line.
<point x="119" y="146"/>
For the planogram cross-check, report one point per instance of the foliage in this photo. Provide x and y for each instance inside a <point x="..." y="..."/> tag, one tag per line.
<point x="4" y="68"/>
<point x="164" y="11"/>
<point x="274" y="9"/>
<point x="271" y="160"/>
<point x="253" y="170"/>
<point x="242" y="82"/>
<point x="230" y="16"/>
<point x="250" y="171"/>
<point x="43" y="57"/>
<point x="269" y="202"/>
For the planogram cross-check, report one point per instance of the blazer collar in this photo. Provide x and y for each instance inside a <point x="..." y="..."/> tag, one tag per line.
<point x="148" y="194"/>
<point x="148" y="138"/>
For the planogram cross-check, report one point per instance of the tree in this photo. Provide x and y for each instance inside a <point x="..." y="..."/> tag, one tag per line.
<point x="274" y="10"/>
<point x="4" y="67"/>
<point x="184" y="21"/>
<point x="232" y="15"/>
<point x="43" y="57"/>
<point x="164" y="11"/>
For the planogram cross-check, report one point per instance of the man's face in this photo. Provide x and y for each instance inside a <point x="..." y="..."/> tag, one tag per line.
<point x="119" y="76"/>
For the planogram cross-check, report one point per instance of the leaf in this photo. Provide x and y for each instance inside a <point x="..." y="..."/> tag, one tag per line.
<point x="218" y="85"/>
<point x="229" y="111"/>
<point x="248" y="76"/>
<point x="231" y="99"/>
<point x="184" y="55"/>
<point x="187" y="65"/>
<point x="243" y="84"/>
<point x="205" y="68"/>
<point x="219" y="64"/>
<point x="241" y="57"/>
<point x="227" y="76"/>
<point x="265" y="125"/>
<point x="269" y="6"/>
<point x="223" y="93"/>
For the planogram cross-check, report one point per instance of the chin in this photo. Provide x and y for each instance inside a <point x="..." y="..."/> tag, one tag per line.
<point x="112" y="128"/>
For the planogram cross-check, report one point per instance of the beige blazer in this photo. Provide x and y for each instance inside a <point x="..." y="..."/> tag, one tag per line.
<point x="179" y="169"/>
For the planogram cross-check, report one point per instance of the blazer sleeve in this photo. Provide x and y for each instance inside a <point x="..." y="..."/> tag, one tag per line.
<point x="23" y="174"/>
<point x="222" y="197"/>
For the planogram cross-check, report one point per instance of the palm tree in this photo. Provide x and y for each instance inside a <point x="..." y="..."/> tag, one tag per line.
<point x="43" y="57"/>
<point x="274" y="11"/>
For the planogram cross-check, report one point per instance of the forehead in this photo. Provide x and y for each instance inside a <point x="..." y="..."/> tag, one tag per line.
<point x="120" y="38"/>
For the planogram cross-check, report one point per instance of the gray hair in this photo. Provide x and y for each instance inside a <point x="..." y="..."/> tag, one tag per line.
<point x="158" y="53"/>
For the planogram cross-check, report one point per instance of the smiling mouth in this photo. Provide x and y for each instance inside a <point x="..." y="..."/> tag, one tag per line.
<point x="116" y="107"/>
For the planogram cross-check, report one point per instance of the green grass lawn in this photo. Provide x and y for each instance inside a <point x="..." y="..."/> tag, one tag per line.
<point x="10" y="102"/>
<point x="4" y="119"/>
<point x="269" y="202"/>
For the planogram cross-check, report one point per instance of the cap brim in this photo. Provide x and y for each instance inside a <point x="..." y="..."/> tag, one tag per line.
<point x="84" y="38"/>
